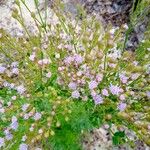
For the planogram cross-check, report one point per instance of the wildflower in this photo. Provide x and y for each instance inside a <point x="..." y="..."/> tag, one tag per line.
<point x="114" y="89"/>
<point x="24" y="138"/>
<point x="23" y="146"/>
<point x="122" y="106"/>
<point x="46" y="61"/>
<point x="32" y="57"/>
<point x="48" y="75"/>
<point x="135" y="76"/>
<point x="15" y="71"/>
<point x="14" y="97"/>
<point x="123" y="78"/>
<point x="72" y="85"/>
<point x="93" y="85"/>
<point x="105" y="92"/>
<point x="57" y="55"/>
<point x="122" y="97"/>
<point x="98" y="99"/>
<point x="99" y="77"/>
<point x="14" y="123"/>
<point x="148" y="94"/>
<point x="37" y="116"/>
<point x="75" y="94"/>
<point x="14" y="64"/>
<point x="20" y="89"/>
<point x="26" y="116"/>
<point x="2" y="69"/>
<point x="40" y="131"/>
<point x="78" y="59"/>
<point x="68" y="60"/>
<point x="9" y="136"/>
<point x="2" y="110"/>
<point x="25" y="107"/>
<point x="2" y="142"/>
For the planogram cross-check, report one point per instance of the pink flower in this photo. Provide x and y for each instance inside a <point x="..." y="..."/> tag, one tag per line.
<point x="20" y="89"/>
<point x="14" y="98"/>
<point x="122" y="106"/>
<point x="72" y="85"/>
<point x="105" y="92"/>
<point x="2" y="69"/>
<point x="32" y="57"/>
<point x="15" y="71"/>
<point x="37" y="116"/>
<point x="99" y="77"/>
<point x="75" y="94"/>
<point x="114" y="89"/>
<point x="98" y="99"/>
<point x="122" y="97"/>
<point x="14" y="123"/>
<point x="78" y="59"/>
<point x="93" y="85"/>
<point x="23" y="146"/>
<point x="123" y="78"/>
<point x="48" y="75"/>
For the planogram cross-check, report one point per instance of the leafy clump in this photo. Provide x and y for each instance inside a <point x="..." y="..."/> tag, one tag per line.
<point x="67" y="78"/>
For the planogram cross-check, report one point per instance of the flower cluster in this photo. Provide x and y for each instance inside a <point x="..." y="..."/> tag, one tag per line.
<point x="50" y="73"/>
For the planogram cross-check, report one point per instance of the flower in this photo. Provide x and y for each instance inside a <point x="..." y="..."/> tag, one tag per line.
<point x="24" y="138"/>
<point x="93" y="85"/>
<point x="2" y="142"/>
<point x="20" y="89"/>
<point x="14" y="97"/>
<point x="15" y="71"/>
<point x="25" y="107"/>
<point x="32" y="57"/>
<point x="14" y="123"/>
<point x="114" y="89"/>
<point x="98" y="99"/>
<point x="37" y="116"/>
<point x="72" y="85"/>
<point x="122" y="97"/>
<point x="2" y="69"/>
<point x="9" y="136"/>
<point x="14" y="64"/>
<point x="148" y="94"/>
<point x="78" y="59"/>
<point x="122" y="106"/>
<point x="75" y="94"/>
<point x="105" y="92"/>
<point x="48" y="75"/>
<point x="23" y="146"/>
<point x="123" y="78"/>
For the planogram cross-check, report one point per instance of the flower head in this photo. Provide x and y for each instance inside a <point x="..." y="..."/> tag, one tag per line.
<point x="114" y="89"/>
<point x="72" y="85"/>
<point x="122" y="106"/>
<point x="98" y="99"/>
<point x="23" y="146"/>
<point x="75" y="94"/>
<point x="93" y="85"/>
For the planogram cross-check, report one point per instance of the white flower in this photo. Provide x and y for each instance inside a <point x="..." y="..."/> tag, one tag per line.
<point x="24" y="138"/>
